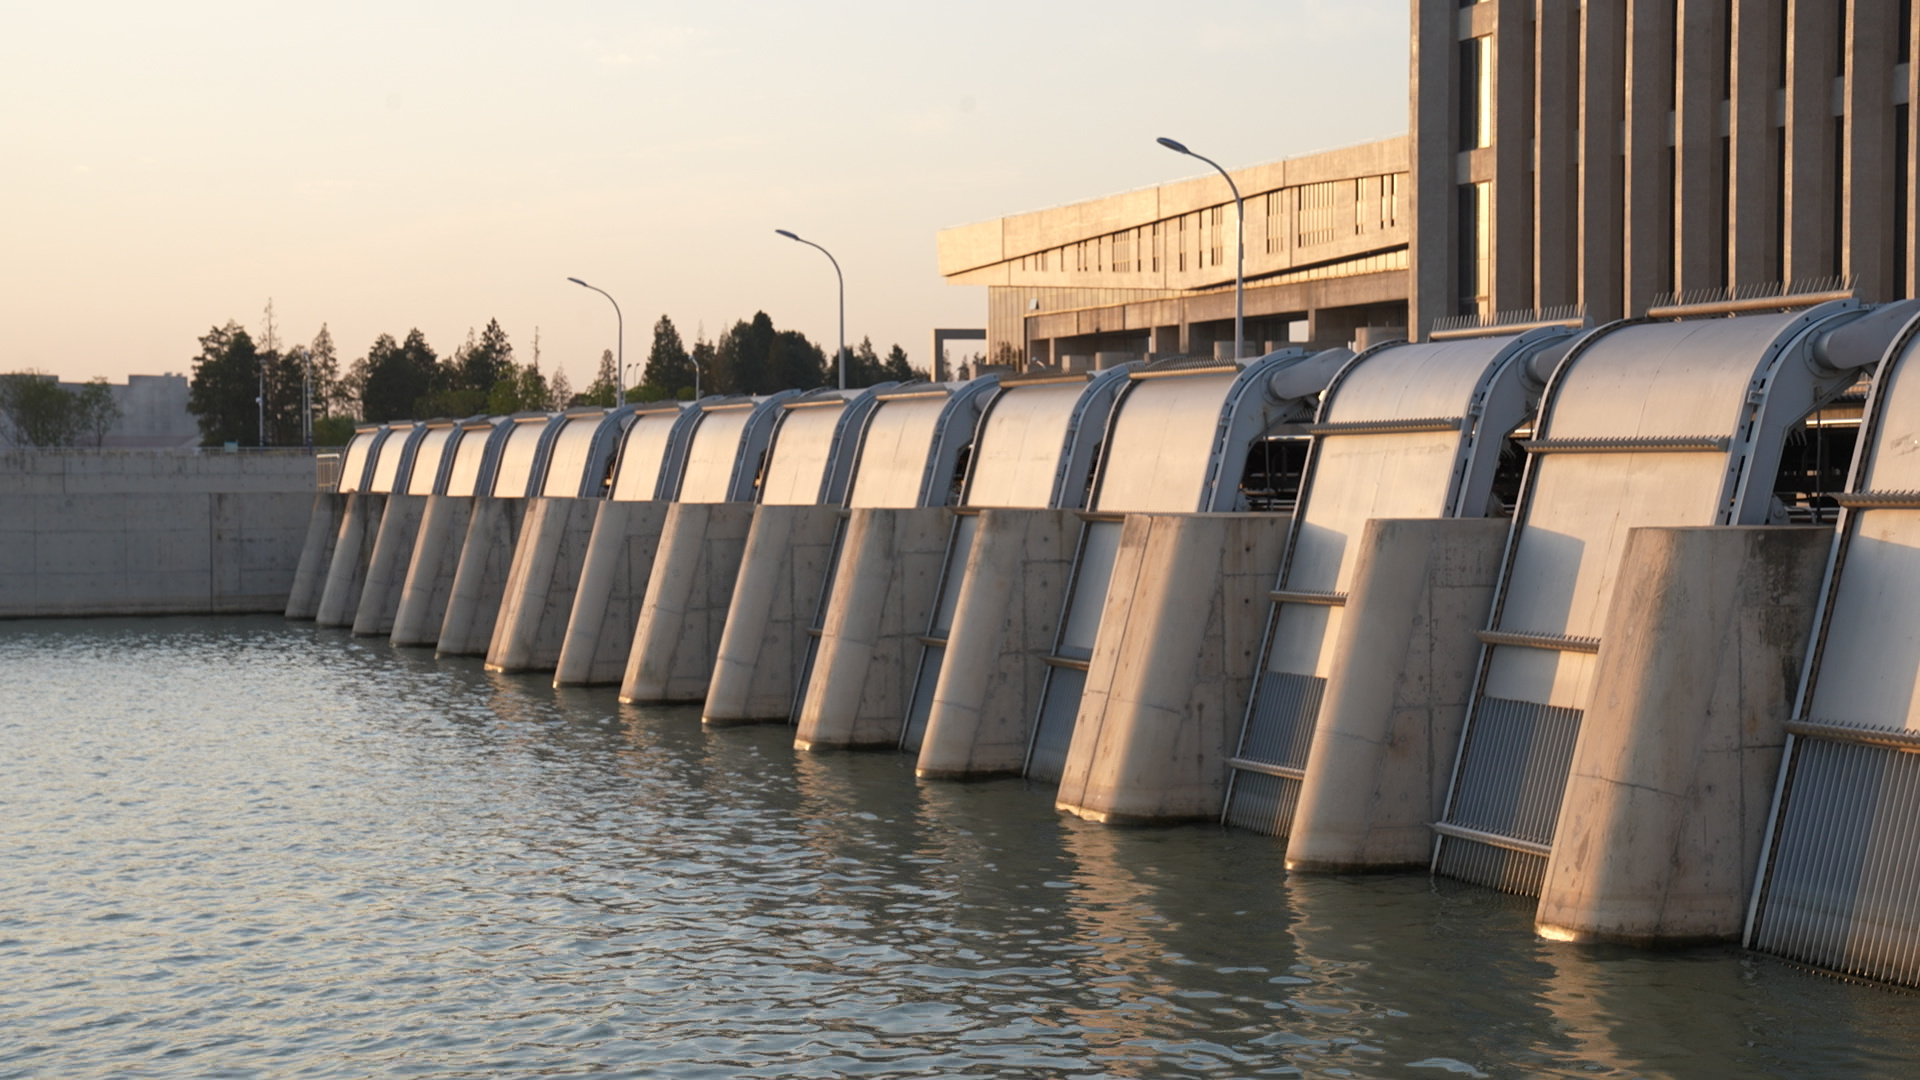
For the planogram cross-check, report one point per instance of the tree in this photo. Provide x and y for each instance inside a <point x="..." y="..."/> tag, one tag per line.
<point x="34" y="409"/>
<point x="331" y="396"/>
<point x="399" y="377"/>
<point x="863" y="365"/>
<point x="485" y="361"/>
<point x="225" y="383"/>
<point x="668" y="366"/>
<point x="700" y="360"/>
<point x="794" y="361"/>
<point x="559" y="390"/>
<point x="94" y="411"/>
<point x="897" y="368"/>
<point x="602" y="390"/>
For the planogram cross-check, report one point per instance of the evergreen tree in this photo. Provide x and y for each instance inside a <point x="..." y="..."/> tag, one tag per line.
<point x="225" y="383"/>
<point x="668" y="366"/>
<point x="330" y="396"/>
<point x="863" y="365"/>
<point x="560" y="390"/>
<point x="793" y="361"/>
<point x="602" y="390"/>
<point x="399" y="377"/>
<point x="700" y="361"/>
<point x="486" y="361"/>
<point x="898" y="369"/>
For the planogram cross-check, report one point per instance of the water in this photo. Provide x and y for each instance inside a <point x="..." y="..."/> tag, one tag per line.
<point x="239" y="848"/>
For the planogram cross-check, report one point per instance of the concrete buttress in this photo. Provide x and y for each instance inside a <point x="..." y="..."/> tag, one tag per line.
<point x="387" y="567"/>
<point x="1005" y="619"/>
<point x="480" y="582"/>
<point x="1666" y="803"/>
<point x="539" y="596"/>
<point x="1172" y="667"/>
<point x="316" y="555"/>
<point x="883" y="593"/>
<point x="764" y="645"/>
<point x="352" y="551"/>
<point x="613" y="584"/>
<point x="688" y="594"/>
<point x="436" y="558"/>
<point x="1402" y="671"/>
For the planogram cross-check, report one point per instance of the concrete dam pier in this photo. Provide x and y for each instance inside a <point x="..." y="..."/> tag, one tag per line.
<point x="1547" y="608"/>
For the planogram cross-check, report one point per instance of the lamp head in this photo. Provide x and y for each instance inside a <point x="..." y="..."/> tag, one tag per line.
<point x="1173" y="145"/>
<point x="577" y="281"/>
<point x="786" y="234"/>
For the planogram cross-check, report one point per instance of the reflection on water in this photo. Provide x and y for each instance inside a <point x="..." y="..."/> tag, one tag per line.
<point x="241" y="848"/>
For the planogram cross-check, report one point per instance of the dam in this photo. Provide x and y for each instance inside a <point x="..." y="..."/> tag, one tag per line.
<point x="1432" y="607"/>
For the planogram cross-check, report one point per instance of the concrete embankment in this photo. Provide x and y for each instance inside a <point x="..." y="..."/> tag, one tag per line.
<point x="145" y="532"/>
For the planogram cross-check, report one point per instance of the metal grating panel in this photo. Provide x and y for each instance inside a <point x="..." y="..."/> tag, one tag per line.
<point x="1279" y="732"/>
<point x="1047" y="759"/>
<point x="1843" y="891"/>
<point x="1518" y="872"/>
<point x="1285" y="707"/>
<point x="1512" y="774"/>
<point x="921" y="706"/>
<point x="1263" y="804"/>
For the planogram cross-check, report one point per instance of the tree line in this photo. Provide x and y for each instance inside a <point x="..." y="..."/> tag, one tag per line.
<point x="407" y="378"/>
<point x="35" y="410"/>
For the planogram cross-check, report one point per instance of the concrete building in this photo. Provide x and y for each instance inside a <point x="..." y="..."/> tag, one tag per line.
<point x="1606" y="154"/>
<point x="1149" y="273"/>
<point x="1559" y="156"/>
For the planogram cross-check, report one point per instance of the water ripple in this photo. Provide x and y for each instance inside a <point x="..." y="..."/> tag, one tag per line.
<point x="238" y="848"/>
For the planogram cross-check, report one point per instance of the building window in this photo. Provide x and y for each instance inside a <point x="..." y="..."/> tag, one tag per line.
<point x="1159" y="243"/>
<point x="1315" y="215"/>
<point x="1276" y="228"/>
<point x="1219" y="235"/>
<point x="1475" y="268"/>
<point x="1181" y="239"/>
<point x="1476" y="93"/>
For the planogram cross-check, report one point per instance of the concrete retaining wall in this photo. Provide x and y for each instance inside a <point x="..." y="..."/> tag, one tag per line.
<point x="150" y="533"/>
<point x="480" y="581"/>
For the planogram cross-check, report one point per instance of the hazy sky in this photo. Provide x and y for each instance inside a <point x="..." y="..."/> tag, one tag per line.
<point x="167" y="167"/>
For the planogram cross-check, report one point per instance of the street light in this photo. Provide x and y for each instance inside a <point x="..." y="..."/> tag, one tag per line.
<point x="843" y="299"/>
<point x="1240" y="253"/>
<point x="620" y="343"/>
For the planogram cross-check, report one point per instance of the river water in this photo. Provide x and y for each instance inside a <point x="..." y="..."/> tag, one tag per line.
<point x="239" y="848"/>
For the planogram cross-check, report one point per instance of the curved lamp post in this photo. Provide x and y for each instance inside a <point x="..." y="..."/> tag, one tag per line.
<point x="1240" y="246"/>
<point x="620" y="344"/>
<point x="843" y="299"/>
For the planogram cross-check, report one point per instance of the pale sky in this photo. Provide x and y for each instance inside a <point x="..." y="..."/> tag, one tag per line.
<point x="167" y="167"/>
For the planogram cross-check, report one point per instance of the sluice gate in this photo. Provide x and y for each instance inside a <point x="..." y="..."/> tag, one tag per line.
<point x="979" y="676"/>
<point x="884" y="565"/>
<point x="532" y="624"/>
<point x="442" y="534"/>
<point x="698" y="557"/>
<point x="1837" y="885"/>
<point x="1645" y="424"/>
<point x="386" y="576"/>
<point x="618" y="561"/>
<point x="1115" y="584"/>
<point x="1180" y="435"/>
<point x="783" y="567"/>
<point x="493" y="531"/>
<point x="1403" y="431"/>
